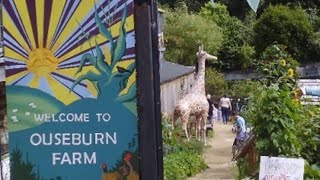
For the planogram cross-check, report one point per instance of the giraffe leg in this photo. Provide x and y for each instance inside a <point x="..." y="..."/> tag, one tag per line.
<point x="184" y="127"/>
<point x="198" y="127"/>
<point x="190" y="126"/>
<point x="203" y="128"/>
<point x="173" y="120"/>
<point x="184" y="120"/>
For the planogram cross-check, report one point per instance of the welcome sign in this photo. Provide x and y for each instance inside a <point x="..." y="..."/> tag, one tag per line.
<point x="71" y="89"/>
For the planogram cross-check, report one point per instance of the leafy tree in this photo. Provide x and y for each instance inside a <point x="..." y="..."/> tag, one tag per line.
<point x="235" y="51"/>
<point x="184" y="32"/>
<point x="313" y="15"/>
<point x="246" y="54"/>
<point x="215" y="83"/>
<point x="217" y="13"/>
<point x="243" y="89"/>
<point x="193" y="6"/>
<point x="240" y="9"/>
<point x="286" y="26"/>
<point x="303" y="3"/>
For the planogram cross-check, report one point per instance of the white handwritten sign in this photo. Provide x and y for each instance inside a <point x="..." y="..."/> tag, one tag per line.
<point x="274" y="168"/>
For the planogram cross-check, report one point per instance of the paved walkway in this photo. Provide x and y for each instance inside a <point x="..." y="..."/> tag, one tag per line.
<point x="218" y="155"/>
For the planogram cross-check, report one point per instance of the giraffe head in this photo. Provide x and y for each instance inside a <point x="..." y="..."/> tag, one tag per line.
<point x="203" y="55"/>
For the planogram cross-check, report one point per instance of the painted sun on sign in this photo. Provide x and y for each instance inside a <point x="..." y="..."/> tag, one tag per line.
<point x="46" y="39"/>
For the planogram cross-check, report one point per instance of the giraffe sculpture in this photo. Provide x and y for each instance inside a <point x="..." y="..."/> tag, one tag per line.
<point x="195" y="102"/>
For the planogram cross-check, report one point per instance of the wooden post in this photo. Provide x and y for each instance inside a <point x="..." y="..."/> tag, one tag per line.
<point x="252" y="159"/>
<point x="150" y="141"/>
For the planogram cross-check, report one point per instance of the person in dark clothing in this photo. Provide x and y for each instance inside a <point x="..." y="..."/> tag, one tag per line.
<point x="210" y="113"/>
<point x="226" y="108"/>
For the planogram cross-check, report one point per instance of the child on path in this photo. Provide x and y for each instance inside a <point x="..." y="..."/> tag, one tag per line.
<point x="220" y="115"/>
<point x="214" y="115"/>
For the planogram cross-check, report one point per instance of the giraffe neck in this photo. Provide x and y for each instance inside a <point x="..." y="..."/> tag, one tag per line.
<point x="199" y="85"/>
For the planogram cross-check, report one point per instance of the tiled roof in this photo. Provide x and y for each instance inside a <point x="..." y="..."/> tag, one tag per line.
<point x="170" y="71"/>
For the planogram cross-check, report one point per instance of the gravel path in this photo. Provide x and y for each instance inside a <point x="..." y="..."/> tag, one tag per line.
<point x="218" y="155"/>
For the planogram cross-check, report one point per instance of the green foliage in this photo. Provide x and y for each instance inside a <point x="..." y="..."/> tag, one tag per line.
<point x="282" y="126"/>
<point x="274" y="116"/>
<point x="179" y="166"/>
<point x="313" y="15"/>
<point x="217" y="13"/>
<point x="311" y="172"/>
<point x="243" y="168"/>
<point x="235" y="51"/>
<point x="217" y="86"/>
<point x="174" y="141"/>
<point x="309" y="133"/>
<point x="302" y="3"/>
<point x="193" y="6"/>
<point x="272" y="111"/>
<point x="182" y="159"/>
<point x="284" y="25"/>
<point x="278" y="67"/>
<point x="243" y="89"/>
<point x="215" y="82"/>
<point x="184" y="33"/>
<point x="240" y="9"/>
<point x="246" y="54"/>
<point x="210" y="134"/>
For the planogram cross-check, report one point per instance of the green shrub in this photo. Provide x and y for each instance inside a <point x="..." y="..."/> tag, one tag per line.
<point x="242" y="89"/>
<point x="243" y="168"/>
<point x="181" y="158"/>
<point x="282" y="126"/>
<point x="180" y="165"/>
<point x="309" y="133"/>
<point x="273" y="111"/>
<point x="182" y="145"/>
<point x="235" y="51"/>
<point x="216" y="85"/>
<point x="184" y="33"/>
<point x="210" y="134"/>
<point x="312" y="172"/>
<point x="284" y="25"/>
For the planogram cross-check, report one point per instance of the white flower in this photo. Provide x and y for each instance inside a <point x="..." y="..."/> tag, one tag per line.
<point x="14" y="110"/>
<point x="28" y="113"/>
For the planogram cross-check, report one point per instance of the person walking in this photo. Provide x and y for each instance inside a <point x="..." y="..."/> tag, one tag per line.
<point x="226" y="108"/>
<point x="210" y="113"/>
